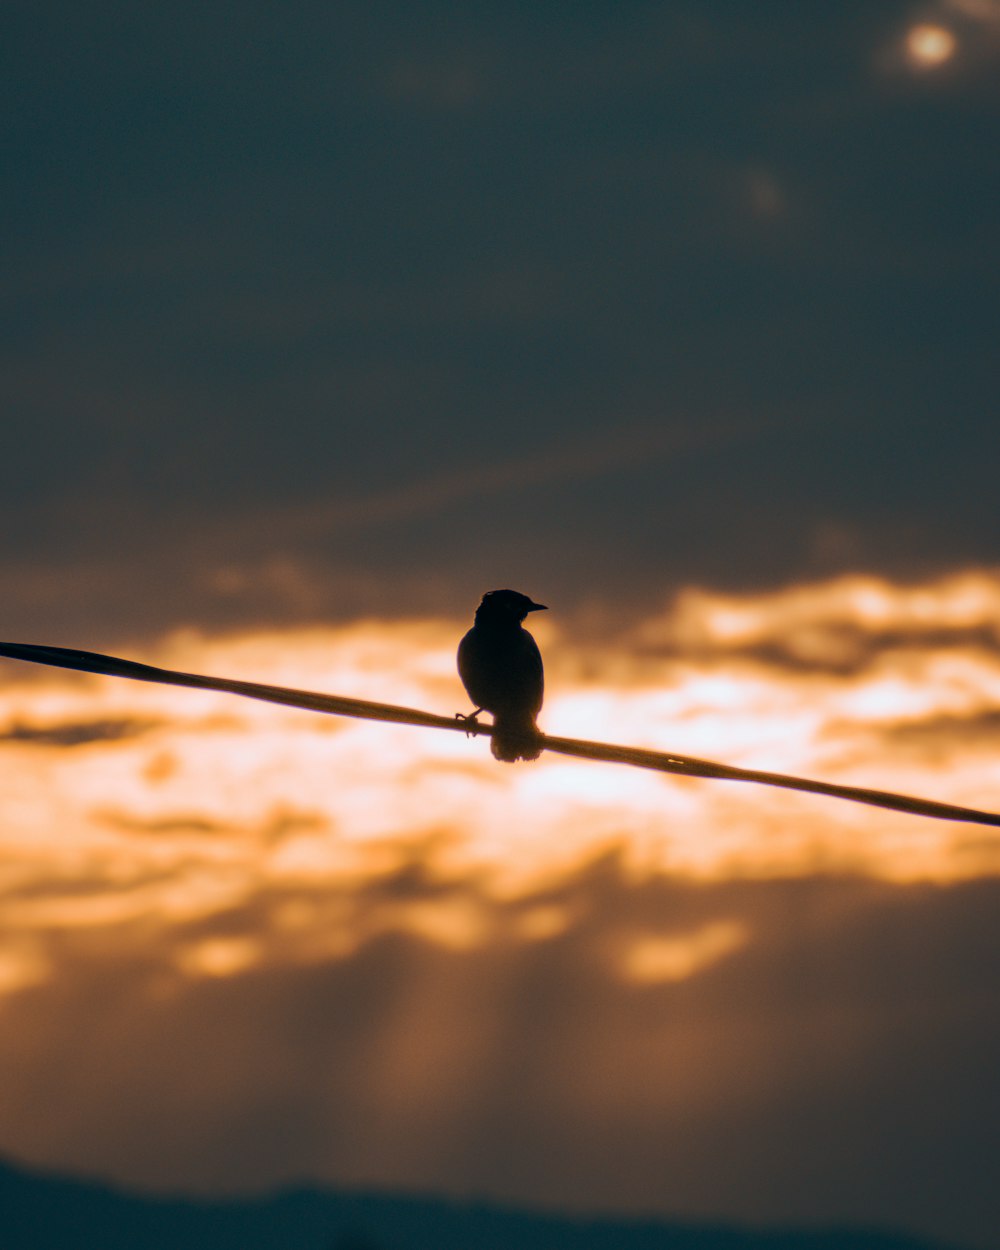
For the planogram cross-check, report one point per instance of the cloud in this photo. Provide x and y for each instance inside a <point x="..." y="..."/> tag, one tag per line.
<point x="854" y="680"/>
<point x="850" y="1036"/>
<point x="68" y="735"/>
<point x="280" y="322"/>
<point x="589" y="457"/>
<point x="306" y="947"/>
<point x="844" y="624"/>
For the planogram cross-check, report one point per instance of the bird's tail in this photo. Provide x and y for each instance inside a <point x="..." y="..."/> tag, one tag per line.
<point x="515" y="738"/>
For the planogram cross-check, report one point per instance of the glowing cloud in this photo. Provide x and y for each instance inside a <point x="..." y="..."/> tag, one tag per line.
<point x="215" y="912"/>
<point x="676" y="957"/>
<point x="197" y="799"/>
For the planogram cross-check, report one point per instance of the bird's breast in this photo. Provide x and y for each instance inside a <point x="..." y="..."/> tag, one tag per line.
<point x="502" y="670"/>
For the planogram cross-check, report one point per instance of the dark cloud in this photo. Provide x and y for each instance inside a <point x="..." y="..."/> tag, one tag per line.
<point x="838" y="1067"/>
<point x="931" y="732"/>
<point x="82" y="734"/>
<point x="824" y="640"/>
<point x="314" y="263"/>
<point x="274" y="828"/>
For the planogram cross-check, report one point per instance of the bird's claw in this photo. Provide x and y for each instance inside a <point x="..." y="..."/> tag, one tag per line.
<point x="471" y="722"/>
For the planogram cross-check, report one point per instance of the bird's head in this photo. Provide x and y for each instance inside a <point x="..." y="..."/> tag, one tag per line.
<point x="498" y="606"/>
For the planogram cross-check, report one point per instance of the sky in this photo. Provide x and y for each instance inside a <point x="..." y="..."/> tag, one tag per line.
<point x="321" y="320"/>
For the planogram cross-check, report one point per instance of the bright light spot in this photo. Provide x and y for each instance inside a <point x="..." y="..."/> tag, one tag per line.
<point x="219" y="957"/>
<point x="928" y="46"/>
<point x="675" y="958"/>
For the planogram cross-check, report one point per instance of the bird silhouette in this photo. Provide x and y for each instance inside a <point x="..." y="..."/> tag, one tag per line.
<point x="501" y="668"/>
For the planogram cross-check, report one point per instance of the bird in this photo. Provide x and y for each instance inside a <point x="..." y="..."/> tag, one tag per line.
<point x="501" y="668"/>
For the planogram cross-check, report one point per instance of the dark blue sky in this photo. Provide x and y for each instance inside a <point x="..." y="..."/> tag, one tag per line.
<point x="389" y="303"/>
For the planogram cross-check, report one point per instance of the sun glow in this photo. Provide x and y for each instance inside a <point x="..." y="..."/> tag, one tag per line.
<point x="249" y="926"/>
<point x="132" y="804"/>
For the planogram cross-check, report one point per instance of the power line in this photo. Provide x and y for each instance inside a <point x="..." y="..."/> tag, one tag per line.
<point x="338" y="705"/>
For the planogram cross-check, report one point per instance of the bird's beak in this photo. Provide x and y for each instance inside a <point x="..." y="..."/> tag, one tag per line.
<point x="538" y="607"/>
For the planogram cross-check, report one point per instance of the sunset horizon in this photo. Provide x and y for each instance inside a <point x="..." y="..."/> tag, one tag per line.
<point x="183" y="841"/>
<point x="320" y="322"/>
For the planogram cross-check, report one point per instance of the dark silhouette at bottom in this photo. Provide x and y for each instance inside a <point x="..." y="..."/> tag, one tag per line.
<point x="49" y="1212"/>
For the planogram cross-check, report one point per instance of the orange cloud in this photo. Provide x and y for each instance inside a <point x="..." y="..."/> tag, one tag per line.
<point x="177" y="795"/>
<point x="304" y="946"/>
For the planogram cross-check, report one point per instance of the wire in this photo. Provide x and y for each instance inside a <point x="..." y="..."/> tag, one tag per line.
<point x="337" y="705"/>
